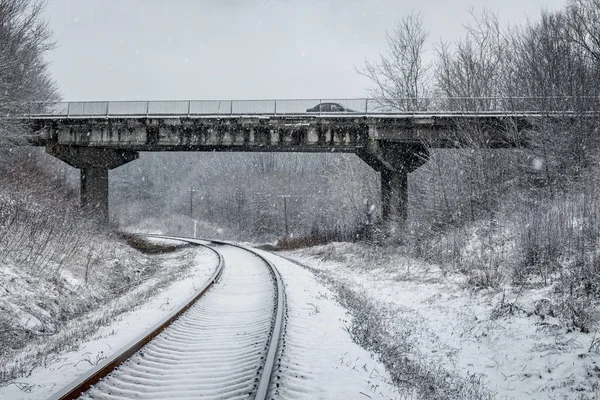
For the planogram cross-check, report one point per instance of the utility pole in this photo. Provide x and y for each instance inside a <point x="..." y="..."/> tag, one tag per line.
<point x="369" y="219"/>
<point x="285" y="213"/>
<point x="285" y="216"/>
<point x="192" y="190"/>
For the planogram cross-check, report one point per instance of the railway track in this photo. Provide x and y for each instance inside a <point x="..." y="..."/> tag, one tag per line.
<point x="221" y="345"/>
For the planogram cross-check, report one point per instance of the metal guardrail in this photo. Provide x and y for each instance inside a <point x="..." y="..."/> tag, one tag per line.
<point x="360" y="106"/>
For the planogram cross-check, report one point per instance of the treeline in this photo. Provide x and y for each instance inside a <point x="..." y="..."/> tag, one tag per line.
<point x="24" y="79"/>
<point x="550" y="63"/>
<point x="42" y="230"/>
<point x="553" y="64"/>
<point x="248" y="195"/>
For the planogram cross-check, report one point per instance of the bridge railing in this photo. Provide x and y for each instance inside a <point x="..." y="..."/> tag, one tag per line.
<point x="360" y="106"/>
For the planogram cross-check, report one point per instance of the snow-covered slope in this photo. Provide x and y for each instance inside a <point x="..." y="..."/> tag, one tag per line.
<point x="508" y="339"/>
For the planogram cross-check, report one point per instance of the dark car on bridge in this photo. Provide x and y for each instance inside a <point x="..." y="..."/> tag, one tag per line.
<point x="329" y="107"/>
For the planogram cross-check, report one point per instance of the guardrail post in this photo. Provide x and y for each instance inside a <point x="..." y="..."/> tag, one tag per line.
<point x="275" y="108"/>
<point x="320" y="101"/>
<point x="231" y="107"/>
<point x="147" y="107"/>
<point x="107" y="103"/>
<point x="68" y="109"/>
<point x="189" y="107"/>
<point x="366" y="106"/>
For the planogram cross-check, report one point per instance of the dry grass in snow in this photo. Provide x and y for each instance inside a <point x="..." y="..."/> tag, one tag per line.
<point x="50" y="362"/>
<point x="62" y="276"/>
<point x="459" y="342"/>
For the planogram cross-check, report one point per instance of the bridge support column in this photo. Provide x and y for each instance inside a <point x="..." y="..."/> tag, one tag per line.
<point x="394" y="195"/>
<point x="93" y="192"/>
<point x="394" y="161"/>
<point x="94" y="164"/>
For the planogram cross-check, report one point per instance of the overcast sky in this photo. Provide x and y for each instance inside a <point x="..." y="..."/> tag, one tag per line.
<point x="239" y="49"/>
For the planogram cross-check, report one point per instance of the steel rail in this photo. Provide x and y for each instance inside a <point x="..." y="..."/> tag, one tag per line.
<point x="77" y="387"/>
<point x="277" y="324"/>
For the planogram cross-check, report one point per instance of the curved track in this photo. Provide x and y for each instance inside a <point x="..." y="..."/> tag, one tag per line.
<point x="223" y="347"/>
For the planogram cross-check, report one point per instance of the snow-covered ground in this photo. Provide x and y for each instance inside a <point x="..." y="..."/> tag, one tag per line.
<point x="59" y="368"/>
<point x="507" y="338"/>
<point x="503" y="342"/>
<point x="320" y="360"/>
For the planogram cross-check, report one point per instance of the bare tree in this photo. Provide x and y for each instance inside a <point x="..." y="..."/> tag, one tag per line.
<point x="24" y="76"/>
<point x="401" y="76"/>
<point x="547" y="67"/>
<point x="550" y="71"/>
<point x="583" y="17"/>
<point x="474" y="67"/>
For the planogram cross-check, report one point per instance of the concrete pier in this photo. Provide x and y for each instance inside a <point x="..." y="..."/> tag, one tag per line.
<point x="94" y="192"/>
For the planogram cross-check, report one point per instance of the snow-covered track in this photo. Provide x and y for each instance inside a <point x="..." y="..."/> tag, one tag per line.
<point x="84" y="382"/>
<point x="223" y="346"/>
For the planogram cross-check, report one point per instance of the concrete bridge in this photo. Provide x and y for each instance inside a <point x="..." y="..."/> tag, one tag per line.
<point x="98" y="136"/>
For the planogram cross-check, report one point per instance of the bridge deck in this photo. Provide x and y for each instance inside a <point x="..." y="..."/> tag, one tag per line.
<point x="290" y="125"/>
<point x="297" y="133"/>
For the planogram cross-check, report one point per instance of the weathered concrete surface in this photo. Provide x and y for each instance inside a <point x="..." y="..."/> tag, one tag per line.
<point x="394" y="161"/>
<point x="94" y="192"/>
<point x="343" y="133"/>
<point x="94" y="164"/>
<point x="91" y="157"/>
<point x="394" y="195"/>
